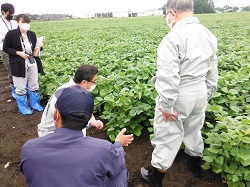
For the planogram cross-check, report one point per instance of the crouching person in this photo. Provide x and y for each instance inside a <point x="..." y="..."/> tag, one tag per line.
<point x="66" y="158"/>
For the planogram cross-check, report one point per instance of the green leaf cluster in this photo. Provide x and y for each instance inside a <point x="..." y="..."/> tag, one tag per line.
<point x="226" y="131"/>
<point x="229" y="149"/>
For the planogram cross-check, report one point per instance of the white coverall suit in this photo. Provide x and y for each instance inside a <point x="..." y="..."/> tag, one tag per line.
<point x="185" y="80"/>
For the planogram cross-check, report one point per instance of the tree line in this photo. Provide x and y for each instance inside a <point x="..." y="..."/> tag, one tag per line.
<point x="207" y="6"/>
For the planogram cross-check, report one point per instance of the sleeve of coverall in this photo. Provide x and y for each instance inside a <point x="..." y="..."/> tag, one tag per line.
<point x="50" y="115"/>
<point x="115" y="162"/>
<point x="46" y="125"/>
<point x="167" y="75"/>
<point x="212" y="78"/>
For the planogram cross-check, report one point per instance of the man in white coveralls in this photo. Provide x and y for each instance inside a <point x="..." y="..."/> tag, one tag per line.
<point x="186" y="78"/>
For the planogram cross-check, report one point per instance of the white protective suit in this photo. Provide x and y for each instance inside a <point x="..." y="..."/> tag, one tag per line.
<point x="186" y="78"/>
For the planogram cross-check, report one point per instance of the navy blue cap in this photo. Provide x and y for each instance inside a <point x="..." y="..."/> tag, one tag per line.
<point x="75" y="99"/>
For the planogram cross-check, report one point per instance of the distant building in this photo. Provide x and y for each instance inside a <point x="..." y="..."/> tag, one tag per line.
<point x="120" y="14"/>
<point x="153" y="12"/>
<point x="84" y="15"/>
<point x="139" y="14"/>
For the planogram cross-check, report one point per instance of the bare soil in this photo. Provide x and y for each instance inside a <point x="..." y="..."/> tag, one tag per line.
<point x="16" y="129"/>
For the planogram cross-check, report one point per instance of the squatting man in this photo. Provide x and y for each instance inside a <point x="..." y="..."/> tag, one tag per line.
<point x="66" y="157"/>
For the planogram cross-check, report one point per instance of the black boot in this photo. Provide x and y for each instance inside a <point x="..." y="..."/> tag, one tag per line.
<point x="195" y="165"/>
<point x="152" y="177"/>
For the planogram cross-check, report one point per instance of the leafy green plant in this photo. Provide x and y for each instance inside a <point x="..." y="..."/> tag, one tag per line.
<point x="229" y="150"/>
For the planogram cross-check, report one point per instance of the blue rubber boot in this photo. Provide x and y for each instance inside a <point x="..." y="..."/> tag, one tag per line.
<point x="13" y="92"/>
<point x="35" y="101"/>
<point x="22" y="104"/>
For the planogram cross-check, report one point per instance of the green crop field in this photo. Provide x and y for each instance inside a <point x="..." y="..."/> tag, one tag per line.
<point x="124" y="50"/>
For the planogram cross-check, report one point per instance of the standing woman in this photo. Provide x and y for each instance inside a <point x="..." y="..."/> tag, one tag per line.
<point x="20" y="44"/>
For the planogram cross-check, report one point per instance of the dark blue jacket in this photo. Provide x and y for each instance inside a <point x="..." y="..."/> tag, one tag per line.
<point x="67" y="159"/>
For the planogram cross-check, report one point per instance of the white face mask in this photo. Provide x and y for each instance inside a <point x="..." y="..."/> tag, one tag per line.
<point x="24" y="26"/>
<point x="170" y="24"/>
<point x="92" y="88"/>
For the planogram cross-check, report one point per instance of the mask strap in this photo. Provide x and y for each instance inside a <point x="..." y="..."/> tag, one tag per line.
<point x="7" y="25"/>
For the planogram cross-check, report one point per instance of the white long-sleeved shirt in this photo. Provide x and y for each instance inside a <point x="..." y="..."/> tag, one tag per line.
<point x="46" y="125"/>
<point x="5" y="26"/>
<point x="186" y="56"/>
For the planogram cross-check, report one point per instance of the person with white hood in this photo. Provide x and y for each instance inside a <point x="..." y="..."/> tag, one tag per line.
<point x="186" y="78"/>
<point x="20" y="44"/>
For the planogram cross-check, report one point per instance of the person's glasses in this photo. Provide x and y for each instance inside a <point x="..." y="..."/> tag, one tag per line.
<point x="168" y="13"/>
<point x="94" y="82"/>
<point x="165" y="15"/>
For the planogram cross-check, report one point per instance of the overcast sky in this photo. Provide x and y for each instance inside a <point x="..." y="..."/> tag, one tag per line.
<point x="76" y="6"/>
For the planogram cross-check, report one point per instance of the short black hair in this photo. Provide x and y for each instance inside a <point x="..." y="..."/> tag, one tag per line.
<point x="8" y="7"/>
<point x="85" y="72"/>
<point x="75" y="125"/>
<point x="24" y="17"/>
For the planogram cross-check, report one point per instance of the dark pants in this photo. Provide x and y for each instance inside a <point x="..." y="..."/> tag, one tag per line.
<point x="6" y="61"/>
